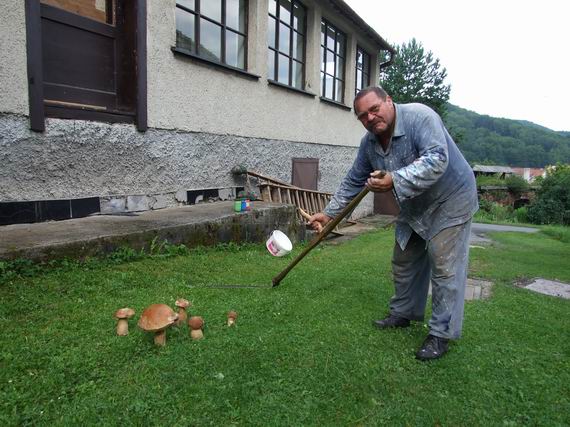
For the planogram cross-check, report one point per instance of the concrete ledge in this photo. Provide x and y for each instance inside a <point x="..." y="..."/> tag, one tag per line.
<point x="202" y="224"/>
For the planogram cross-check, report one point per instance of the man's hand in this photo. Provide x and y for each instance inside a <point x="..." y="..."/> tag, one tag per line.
<point x="380" y="181"/>
<point x="318" y="221"/>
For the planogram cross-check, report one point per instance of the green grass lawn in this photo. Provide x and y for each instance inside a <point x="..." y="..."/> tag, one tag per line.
<point x="304" y="353"/>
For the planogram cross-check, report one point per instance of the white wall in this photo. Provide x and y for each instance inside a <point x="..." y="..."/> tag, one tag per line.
<point x="186" y="94"/>
<point x="13" y="65"/>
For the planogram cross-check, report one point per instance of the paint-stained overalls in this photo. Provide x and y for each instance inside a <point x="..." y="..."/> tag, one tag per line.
<point x="435" y="188"/>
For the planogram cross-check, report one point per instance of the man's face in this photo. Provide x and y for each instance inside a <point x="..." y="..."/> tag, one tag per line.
<point x="375" y="114"/>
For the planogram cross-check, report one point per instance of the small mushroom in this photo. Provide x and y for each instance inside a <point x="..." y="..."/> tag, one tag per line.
<point x="182" y="305"/>
<point x="196" y="323"/>
<point x="156" y="318"/>
<point x="232" y="316"/>
<point x="123" y="315"/>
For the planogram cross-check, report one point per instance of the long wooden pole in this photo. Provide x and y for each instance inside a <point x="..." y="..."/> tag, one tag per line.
<point x="319" y="237"/>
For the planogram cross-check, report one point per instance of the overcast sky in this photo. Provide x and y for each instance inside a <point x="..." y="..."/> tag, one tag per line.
<point x="496" y="52"/>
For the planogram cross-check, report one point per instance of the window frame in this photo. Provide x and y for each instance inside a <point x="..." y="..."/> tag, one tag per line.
<point x="289" y="55"/>
<point x="224" y="31"/>
<point x="336" y="55"/>
<point x="363" y="73"/>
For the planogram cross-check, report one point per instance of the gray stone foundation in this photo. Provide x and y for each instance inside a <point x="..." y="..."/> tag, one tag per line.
<point x="133" y="171"/>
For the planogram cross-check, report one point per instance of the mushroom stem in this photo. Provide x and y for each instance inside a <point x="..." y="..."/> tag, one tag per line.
<point x="182" y="316"/>
<point x="123" y="327"/>
<point x="196" y="334"/>
<point x="160" y="337"/>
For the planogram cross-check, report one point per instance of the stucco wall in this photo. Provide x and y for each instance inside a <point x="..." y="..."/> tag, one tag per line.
<point x="187" y="94"/>
<point x="75" y="159"/>
<point x="13" y="65"/>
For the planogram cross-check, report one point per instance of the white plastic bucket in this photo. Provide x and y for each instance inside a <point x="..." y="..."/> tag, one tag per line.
<point x="278" y="243"/>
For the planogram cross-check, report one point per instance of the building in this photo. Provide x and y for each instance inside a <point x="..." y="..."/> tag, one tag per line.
<point x="499" y="171"/>
<point x="114" y="106"/>
<point x="530" y="174"/>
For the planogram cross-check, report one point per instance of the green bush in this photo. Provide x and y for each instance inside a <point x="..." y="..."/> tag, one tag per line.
<point x="521" y="215"/>
<point x="552" y="202"/>
<point x="516" y="184"/>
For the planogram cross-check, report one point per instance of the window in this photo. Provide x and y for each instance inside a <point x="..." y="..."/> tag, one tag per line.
<point x="213" y="29"/>
<point x="362" y="70"/>
<point x="286" y="42"/>
<point x="333" y="54"/>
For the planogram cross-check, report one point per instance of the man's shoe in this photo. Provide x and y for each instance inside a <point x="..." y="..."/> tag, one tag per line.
<point x="391" y="322"/>
<point x="433" y="348"/>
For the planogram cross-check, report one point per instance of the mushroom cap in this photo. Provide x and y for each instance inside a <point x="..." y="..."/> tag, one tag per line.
<point x="183" y="303"/>
<point x="124" y="313"/>
<point x="157" y="317"/>
<point x="232" y="315"/>
<point x="196" y="322"/>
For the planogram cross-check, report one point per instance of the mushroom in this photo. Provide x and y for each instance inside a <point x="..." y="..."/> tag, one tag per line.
<point x="156" y="318"/>
<point x="232" y="316"/>
<point x="182" y="305"/>
<point x="196" y="323"/>
<point x="123" y="315"/>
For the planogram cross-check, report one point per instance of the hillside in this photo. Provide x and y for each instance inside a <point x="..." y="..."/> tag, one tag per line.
<point x="490" y="140"/>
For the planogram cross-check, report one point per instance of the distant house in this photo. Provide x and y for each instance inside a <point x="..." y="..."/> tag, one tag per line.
<point x="530" y="174"/>
<point x="499" y="171"/>
<point x="113" y="106"/>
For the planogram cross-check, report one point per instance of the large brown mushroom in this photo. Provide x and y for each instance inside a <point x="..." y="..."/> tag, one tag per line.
<point x="232" y="316"/>
<point x="123" y="315"/>
<point x="182" y="305"/>
<point x="156" y="318"/>
<point x="196" y="323"/>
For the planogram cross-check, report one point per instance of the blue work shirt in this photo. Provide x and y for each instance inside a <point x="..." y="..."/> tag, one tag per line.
<point x="433" y="183"/>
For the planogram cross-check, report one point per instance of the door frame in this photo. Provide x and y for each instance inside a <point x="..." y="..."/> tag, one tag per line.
<point x="37" y="107"/>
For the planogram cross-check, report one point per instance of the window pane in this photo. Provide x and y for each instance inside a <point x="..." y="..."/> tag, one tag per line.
<point x="339" y="68"/>
<point x="366" y="63"/>
<point x="299" y="18"/>
<point x="283" y="76"/>
<point x="322" y="80"/>
<point x="285" y="11"/>
<point x="97" y="10"/>
<point x="271" y="32"/>
<point x="190" y="4"/>
<point x="185" y="25"/>
<point x="271" y="64"/>
<point x="298" y="44"/>
<point x="210" y="40"/>
<point x="297" y="75"/>
<point x="328" y="86"/>
<point x="330" y="37"/>
<point x="359" y="59"/>
<point x="284" y="42"/>
<point x="322" y="59"/>
<point x="235" y="50"/>
<point x="358" y="80"/>
<point x="340" y="45"/>
<point x="323" y="31"/>
<point x="273" y="7"/>
<point x="365" y="80"/>
<point x="339" y="91"/>
<point x="212" y="9"/>
<point x="329" y="62"/>
<point x="235" y="15"/>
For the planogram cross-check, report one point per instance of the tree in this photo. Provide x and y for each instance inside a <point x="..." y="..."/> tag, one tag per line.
<point x="552" y="203"/>
<point x="416" y="76"/>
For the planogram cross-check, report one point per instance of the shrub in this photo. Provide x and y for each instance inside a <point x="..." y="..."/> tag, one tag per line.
<point x="552" y="203"/>
<point x="516" y="185"/>
<point x="521" y="214"/>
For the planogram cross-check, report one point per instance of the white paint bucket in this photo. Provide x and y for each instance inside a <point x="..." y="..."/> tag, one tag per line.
<point x="278" y="243"/>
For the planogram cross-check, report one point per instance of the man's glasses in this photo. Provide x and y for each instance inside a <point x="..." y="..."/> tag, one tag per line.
<point x="372" y="110"/>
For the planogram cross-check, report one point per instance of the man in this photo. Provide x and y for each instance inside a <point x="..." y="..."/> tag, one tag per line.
<point x="436" y="191"/>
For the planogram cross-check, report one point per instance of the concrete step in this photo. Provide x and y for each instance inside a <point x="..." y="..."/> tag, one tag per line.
<point x="201" y="224"/>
